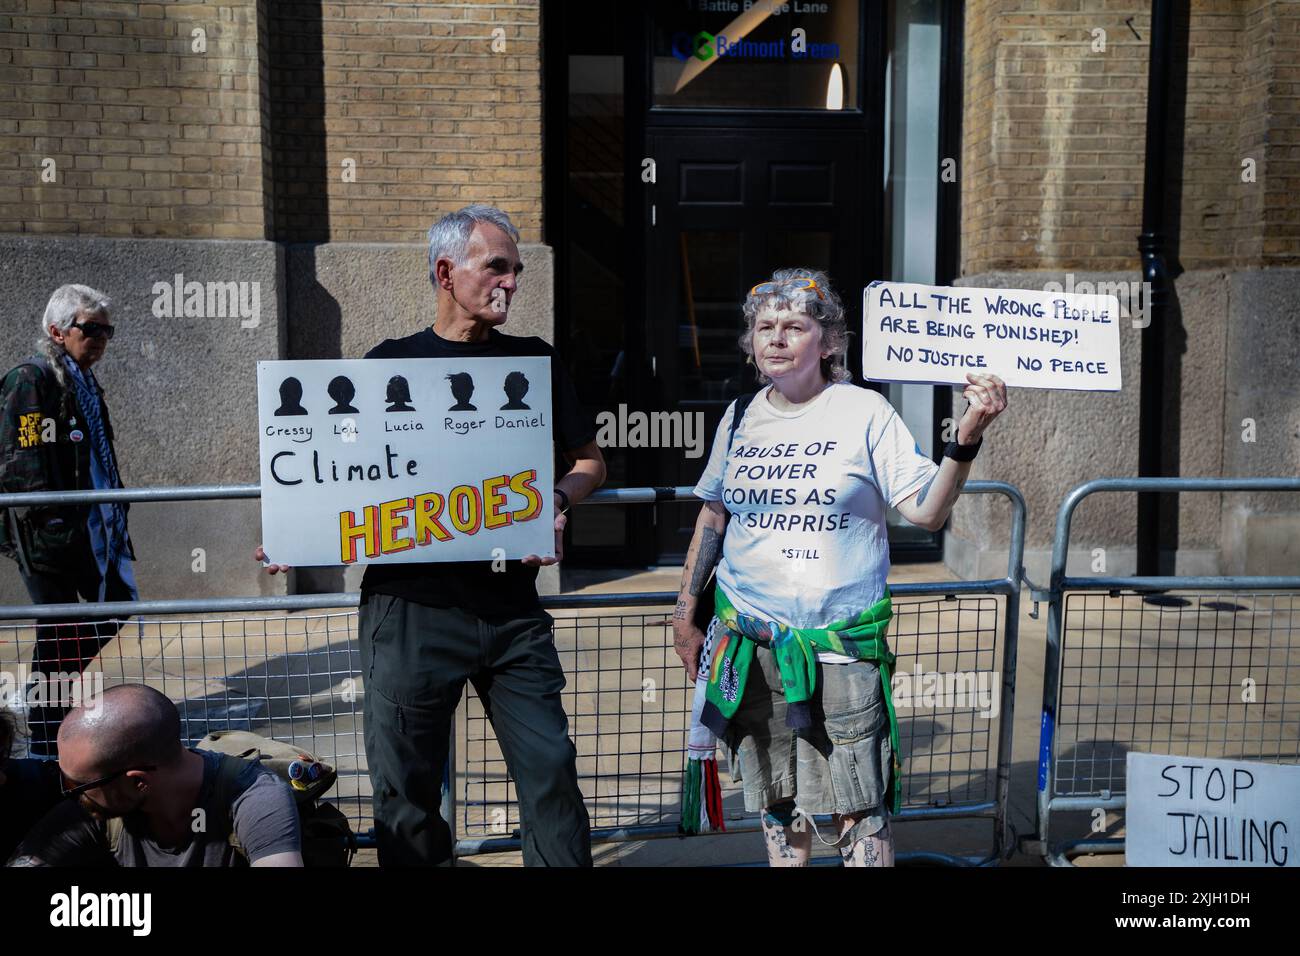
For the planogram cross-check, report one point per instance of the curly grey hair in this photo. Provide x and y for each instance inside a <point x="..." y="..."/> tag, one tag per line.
<point x="67" y="302"/>
<point x="828" y="313"/>
<point x="449" y="236"/>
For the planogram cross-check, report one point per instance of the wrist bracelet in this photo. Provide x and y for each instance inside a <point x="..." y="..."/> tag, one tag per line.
<point x="564" y="500"/>
<point x="963" y="452"/>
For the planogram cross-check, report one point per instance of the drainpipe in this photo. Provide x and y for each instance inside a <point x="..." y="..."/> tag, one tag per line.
<point x="1152" y="248"/>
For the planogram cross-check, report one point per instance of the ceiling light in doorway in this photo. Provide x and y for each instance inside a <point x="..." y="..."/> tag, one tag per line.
<point x="835" y="88"/>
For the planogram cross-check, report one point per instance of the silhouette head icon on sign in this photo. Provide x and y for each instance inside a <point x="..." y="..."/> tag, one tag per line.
<point x="399" y="395"/>
<point x="342" y="391"/>
<point x="462" y="387"/>
<point x="291" y="398"/>
<point x="516" y="387"/>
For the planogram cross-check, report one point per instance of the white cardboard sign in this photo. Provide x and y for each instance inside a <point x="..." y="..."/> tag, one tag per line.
<point x="1194" y="811"/>
<point x="937" y="334"/>
<point x="405" y="460"/>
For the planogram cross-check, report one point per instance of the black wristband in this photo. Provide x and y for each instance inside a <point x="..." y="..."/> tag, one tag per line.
<point x="564" y="500"/>
<point x="962" y="452"/>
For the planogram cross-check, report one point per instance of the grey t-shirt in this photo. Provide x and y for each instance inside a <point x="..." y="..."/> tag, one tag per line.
<point x="263" y="814"/>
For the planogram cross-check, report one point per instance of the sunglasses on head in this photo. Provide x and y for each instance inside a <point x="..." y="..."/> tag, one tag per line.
<point x="95" y="329"/>
<point x="79" y="788"/>
<point x="798" y="284"/>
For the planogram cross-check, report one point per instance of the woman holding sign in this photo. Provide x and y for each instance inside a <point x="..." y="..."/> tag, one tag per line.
<point x="794" y="672"/>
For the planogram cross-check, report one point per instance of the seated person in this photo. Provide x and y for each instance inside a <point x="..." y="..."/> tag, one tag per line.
<point x="122" y="758"/>
<point x="29" y="788"/>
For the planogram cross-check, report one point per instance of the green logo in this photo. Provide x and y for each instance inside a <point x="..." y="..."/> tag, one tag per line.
<point x="699" y="46"/>
<point x="703" y="43"/>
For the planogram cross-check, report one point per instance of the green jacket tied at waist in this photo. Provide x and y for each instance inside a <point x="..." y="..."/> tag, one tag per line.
<point x="795" y="650"/>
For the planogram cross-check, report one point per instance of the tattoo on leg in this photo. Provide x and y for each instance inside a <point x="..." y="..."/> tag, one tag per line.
<point x="870" y="855"/>
<point x="876" y="850"/>
<point x="785" y="845"/>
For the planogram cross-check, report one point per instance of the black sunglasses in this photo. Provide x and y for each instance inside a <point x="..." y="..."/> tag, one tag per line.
<point x="81" y="788"/>
<point x="95" y="329"/>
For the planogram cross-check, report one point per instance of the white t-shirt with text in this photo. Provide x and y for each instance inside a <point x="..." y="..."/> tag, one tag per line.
<point x="808" y="490"/>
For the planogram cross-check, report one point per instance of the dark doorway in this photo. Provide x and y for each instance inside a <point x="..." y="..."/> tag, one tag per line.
<point x="678" y="176"/>
<point x="728" y="209"/>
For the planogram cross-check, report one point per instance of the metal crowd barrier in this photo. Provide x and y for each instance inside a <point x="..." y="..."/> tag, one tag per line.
<point x="246" y="663"/>
<point x="1157" y="664"/>
<point x="229" y="664"/>
<point x="629" y="705"/>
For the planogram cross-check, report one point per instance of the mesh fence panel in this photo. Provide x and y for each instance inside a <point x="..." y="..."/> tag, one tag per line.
<point x="1206" y="674"/>
<point x="296" y="677"/>
<point x="629" y="707"/>
<point x="293" y="677"/>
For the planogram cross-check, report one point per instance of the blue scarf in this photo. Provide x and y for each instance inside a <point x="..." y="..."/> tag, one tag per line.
<point x="107" y="522"/>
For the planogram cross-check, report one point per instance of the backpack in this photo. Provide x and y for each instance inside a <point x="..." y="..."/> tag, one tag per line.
<point x="327" y="837"/>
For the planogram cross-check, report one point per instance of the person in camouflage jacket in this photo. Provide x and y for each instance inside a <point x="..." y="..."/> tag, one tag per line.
<point x="55" y="435"/>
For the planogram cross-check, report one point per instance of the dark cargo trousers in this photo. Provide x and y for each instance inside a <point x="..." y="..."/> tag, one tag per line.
<point x="415" y="661"/>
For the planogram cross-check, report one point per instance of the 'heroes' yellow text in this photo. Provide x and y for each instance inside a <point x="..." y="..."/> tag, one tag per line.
<point x="467" y="508"/>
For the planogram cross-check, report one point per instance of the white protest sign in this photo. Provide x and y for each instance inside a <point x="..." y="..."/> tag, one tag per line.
<point x="1194" y="811"/>
<point x="405" y="460"/>
<point x="937" y="334"/>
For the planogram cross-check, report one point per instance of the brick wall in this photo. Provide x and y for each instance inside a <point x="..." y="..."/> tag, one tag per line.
<point x="1269" y="133"/>
<point x="248" y="139"/>
<point x="146" y="136"/>
<point x="263" y="80"/>
<point x="1054" y="134"/>
<point x="978" y="171"/>
<point x="415" y="94"/>
<point x="1218" y="68"/>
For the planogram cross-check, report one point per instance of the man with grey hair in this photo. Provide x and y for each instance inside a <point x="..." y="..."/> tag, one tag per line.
<point x="426" y="629"/>
<point x="55" y="435"/>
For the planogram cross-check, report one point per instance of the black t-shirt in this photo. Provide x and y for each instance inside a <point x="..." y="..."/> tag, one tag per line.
<point x="473" y="585"/>
<point x="30" y="790"/>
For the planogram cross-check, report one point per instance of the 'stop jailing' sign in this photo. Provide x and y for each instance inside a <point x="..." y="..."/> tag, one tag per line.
<point x="406" y="460"/>
<point x="1197" y="811"/>
<point x="938" y="334"/>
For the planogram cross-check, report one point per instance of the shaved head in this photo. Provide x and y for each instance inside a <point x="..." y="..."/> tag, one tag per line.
<point x="131" y="725"/>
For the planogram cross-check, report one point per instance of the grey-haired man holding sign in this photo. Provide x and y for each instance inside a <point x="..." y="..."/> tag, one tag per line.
<point x="425" y="629"/>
